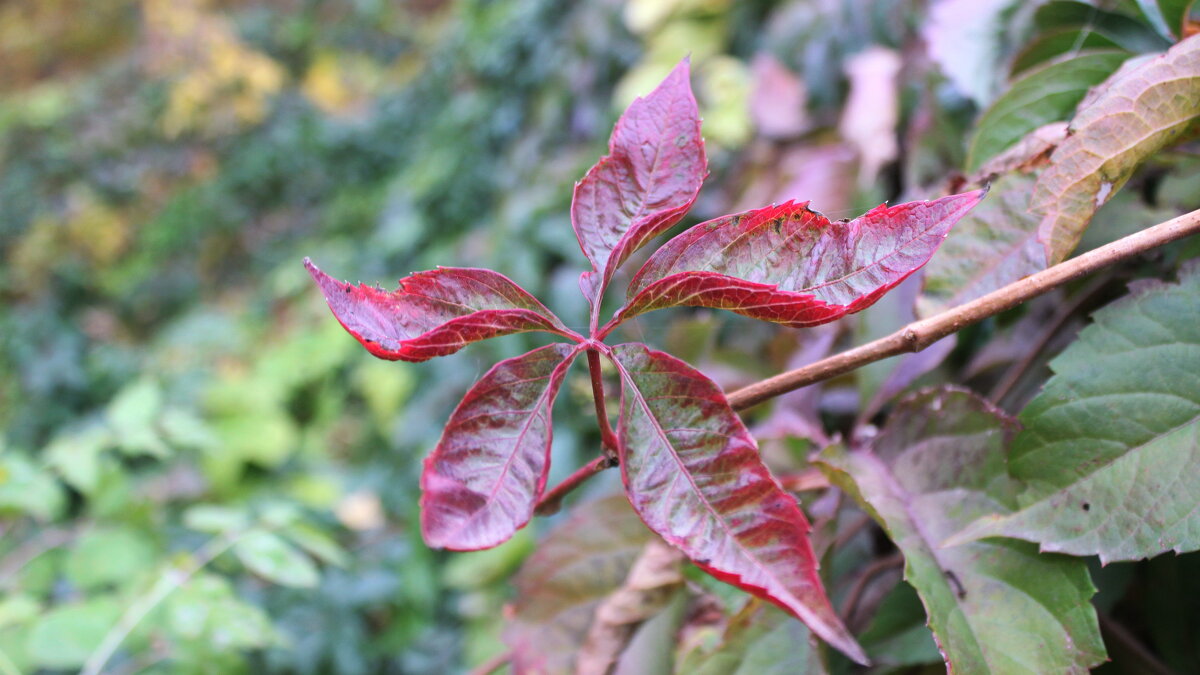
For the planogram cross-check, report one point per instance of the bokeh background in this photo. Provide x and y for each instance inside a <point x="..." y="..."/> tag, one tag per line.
<point x="199" y="471"/>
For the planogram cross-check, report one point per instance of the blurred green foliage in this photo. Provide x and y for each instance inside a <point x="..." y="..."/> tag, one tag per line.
<point x="199" y="471"/>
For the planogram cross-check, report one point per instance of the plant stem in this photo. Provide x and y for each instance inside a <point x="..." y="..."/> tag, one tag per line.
<point x="607" y="437"/>
<point x="552" y="500"/>
<point x="920" y="334"/>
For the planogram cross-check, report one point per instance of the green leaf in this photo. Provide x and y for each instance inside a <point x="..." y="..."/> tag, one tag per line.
<point x="1058" y="42"/>
<point x="897" y="635"/>
<point x="274" y="559"/>
<point x="18" y="609"/>
<point x="207" y="611"/>
<point x="65" y="636"/>
<point x="1130" y="33"/>
<point x="215" y="519"/>
<point x="28" y="489"/>
<point x="109" y="557"/>
<point x="1110" y="455"/>
<point x="76" y="457"/>
<point x="760" y="640"/>
<point x="1175" y="13"/>
<point x="1144" y="107"/>
<point x="133" y="414"/>
<point x="318" y="544"/>
<point x="1047" y="94"/>
<point x="937" y="464"/>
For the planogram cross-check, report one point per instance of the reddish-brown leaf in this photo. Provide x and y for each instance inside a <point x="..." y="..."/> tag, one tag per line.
<point x="488" y="471"/>
<point x="434" y="313"/>
<point x="693" y="474"/>
<point x="646" y="183"/>
<point x="791" y="265"/>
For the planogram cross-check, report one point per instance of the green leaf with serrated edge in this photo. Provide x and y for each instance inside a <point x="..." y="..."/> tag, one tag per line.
<point x="996" y="606"/>
<point x="1047" y="94"/>
<point x="759" y="640"/>
<point x="1110" y="454"/>
<point x="558" y="588"/>
<point x="274" y="559"/>
<point x="1141" y="109"/>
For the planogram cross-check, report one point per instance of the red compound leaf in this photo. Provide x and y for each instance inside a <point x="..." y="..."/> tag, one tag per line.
<point x="434" y="313"/>
<point x="646" y="183"/>
<point x="484" y="478"/>
<point x="791" y="265"/>
<point x="693" y="473"/>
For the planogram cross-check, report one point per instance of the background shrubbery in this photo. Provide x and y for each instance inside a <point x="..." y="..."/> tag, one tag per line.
<point x="200" y="472"/>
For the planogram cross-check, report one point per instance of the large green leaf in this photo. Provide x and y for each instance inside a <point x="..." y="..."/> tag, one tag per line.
<point x="1144" y="107"/>
<point x="1110" y="455"/>
<point x="1047" y="94"/>
<point x="996" y="606"/>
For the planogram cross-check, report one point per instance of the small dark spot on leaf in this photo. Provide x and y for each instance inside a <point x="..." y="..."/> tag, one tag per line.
<point x="1087" y="506"/>
<point x="959" y="590"/>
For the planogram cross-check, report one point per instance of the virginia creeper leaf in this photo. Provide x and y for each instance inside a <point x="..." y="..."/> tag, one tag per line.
<point x="791" y="265"/>
<point x="938" y="463"/>
<point x="1141" y="109"/>
<point x="484" y="478"/>
<point x="1130" y="32"/>
<point x="1110" y="455"/>
<point x="434" y="313"/>
<point x="693" y="474"/>
<point x="1047" y="94"/>
<point x="560" y="586"/>
<point x="646" y="183"/>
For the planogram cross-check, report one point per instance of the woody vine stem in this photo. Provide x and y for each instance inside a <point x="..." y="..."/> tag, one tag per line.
<point x="912" y="338"/>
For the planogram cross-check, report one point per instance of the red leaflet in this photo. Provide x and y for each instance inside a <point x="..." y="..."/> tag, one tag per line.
<point x="487" y="473"/>
<point x="434" y="313"/>
<point x="791" y="265"/>
<point x="648" y="181"/>
<point x="693" y="474"/>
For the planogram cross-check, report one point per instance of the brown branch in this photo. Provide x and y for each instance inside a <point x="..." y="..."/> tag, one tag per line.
<point x="920" y="334"/>
<point x="912" y="338"/>
<point x="552" y="501"/>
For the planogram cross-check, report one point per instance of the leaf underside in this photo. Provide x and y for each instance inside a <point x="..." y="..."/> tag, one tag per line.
<point x="693" y="473"/>
<point x="791" y="265"/>
<point x="1141" y="109"/>
<point x="484" y="478"/>
<point x="1110" y="455"/>
<point x="646" y="183"/>
<point x="433" y="313"/>
<point x="937" y="464"/>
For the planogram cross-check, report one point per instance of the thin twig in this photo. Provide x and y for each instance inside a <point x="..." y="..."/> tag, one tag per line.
<point x="920" y="334"/>
<point x="1114" y="632"/>
<point x="552" y="500"/>
<point x="873" y="570"/>
<point x="493" y="664"/>
<point x="607" y="437"/>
